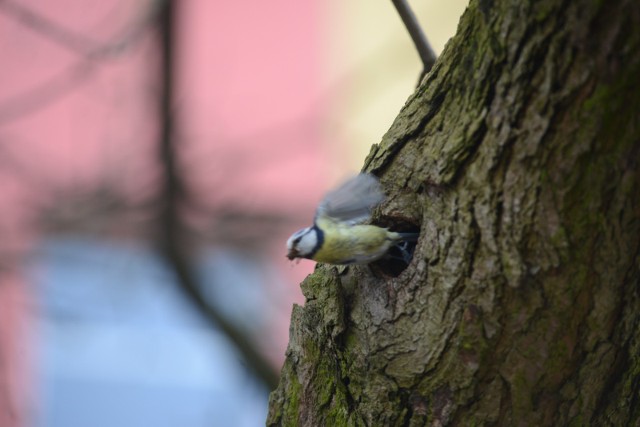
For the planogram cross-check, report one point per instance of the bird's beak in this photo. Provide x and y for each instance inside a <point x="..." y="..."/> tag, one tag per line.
<point x="293" y="254"/>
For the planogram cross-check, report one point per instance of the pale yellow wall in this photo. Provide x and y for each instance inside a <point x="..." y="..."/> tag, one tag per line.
<point x="373" y="67"/>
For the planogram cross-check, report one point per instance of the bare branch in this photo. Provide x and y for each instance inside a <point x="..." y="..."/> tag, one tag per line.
<point x="78" y="43"/>
<point x="54" y="32"/>
<point x="43" y="94"/>
<point x="172" y="227"/>
<point x="427" y="55"/>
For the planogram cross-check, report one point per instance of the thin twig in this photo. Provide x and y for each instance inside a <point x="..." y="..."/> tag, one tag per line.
<point x="45" y="93"/>
<point x="427" y="55"/>
<point x="90" y="51"/>
<point x="79" y="43"/>
<point x="43" y="26"/>
<point x="173" y="230"/>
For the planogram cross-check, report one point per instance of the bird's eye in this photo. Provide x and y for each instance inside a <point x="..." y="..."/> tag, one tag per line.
<point x="297" y="240"/>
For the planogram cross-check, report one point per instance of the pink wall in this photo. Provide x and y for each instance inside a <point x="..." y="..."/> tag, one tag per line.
<point x="249" y="105"/>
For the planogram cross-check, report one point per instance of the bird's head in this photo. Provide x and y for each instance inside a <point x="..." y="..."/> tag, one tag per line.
<point x="303" y="243"/>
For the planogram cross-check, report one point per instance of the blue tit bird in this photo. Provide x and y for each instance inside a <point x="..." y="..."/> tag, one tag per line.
<point x="337" y="235"/>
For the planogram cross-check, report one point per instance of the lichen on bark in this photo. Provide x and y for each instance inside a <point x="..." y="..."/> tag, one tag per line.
<point x="518" y="159"/>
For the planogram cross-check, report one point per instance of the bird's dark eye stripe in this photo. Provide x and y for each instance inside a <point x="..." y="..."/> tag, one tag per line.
<point x="297" y="240"/>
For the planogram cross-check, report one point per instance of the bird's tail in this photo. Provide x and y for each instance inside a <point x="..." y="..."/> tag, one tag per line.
<point x="409" y="237"/>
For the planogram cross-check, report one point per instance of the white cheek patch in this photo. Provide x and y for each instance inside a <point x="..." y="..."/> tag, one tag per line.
<point x="302" y="243"/>
<point x="308" y="242"/>
<point x="295" y="238"/>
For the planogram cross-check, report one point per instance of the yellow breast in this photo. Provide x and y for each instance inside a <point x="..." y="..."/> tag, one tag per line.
<point x="352" y="244"/>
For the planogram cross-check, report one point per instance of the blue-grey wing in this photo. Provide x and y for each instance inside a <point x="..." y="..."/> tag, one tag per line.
<point x="352" y="201"/>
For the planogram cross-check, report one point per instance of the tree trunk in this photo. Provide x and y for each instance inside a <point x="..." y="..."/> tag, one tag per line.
<point x="517" y="158"/>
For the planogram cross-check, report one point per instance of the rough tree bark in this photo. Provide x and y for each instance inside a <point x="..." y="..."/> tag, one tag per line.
<point x="517" y="157"/>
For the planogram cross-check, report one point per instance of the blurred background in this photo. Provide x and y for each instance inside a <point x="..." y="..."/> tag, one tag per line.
<point x="154" y="158"/>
